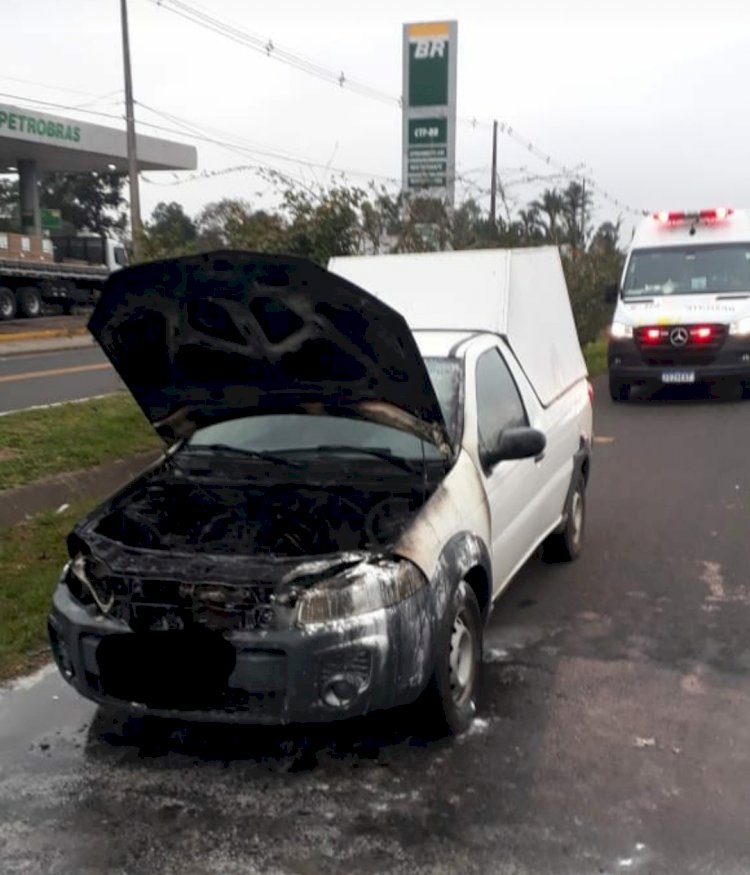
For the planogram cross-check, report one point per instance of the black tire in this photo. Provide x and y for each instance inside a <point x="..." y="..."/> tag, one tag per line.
<point x="29" y="302"/>
<point x="67" y="308"/>
<point x="618" y="391"/>
<point x="566" y="546"/>
<point x="7" y="304"/>
<point x="449" y="699"/>
<point x="728" y="390"/>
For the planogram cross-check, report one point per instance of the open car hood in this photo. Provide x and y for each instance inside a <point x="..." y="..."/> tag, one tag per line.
<point x="208" y="337"/>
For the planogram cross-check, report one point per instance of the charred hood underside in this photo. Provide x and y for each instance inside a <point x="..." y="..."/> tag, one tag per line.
<point x="203" y="338"/>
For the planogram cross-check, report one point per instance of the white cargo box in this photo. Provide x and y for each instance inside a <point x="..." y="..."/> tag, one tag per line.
<point x="519" y="294"/>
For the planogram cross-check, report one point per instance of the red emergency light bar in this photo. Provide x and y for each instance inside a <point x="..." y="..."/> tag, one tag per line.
<point x="656" y="336"/>
<point x="674" y="217"/>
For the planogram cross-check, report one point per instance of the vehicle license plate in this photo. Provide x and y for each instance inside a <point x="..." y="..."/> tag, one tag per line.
<point x="678" y="377"/>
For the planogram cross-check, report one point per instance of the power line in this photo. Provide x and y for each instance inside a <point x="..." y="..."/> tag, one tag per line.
<point x="271" y="49"/>
<point x="243" y="146"/>
<point x="50" y="87"/>
<point x="193" y="132"/>
<point x="247" y="148"/>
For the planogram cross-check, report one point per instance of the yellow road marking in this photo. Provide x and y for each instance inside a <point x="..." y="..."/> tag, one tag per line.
<point x="42" y="334"/>
<point x="55" y="372"/>
<point x="600" y="439"/>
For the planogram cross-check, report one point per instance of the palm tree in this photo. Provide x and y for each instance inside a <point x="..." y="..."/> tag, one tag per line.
<point x="550" y="208"/>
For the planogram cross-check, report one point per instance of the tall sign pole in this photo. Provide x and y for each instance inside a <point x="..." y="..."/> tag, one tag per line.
<point x="429" y="109"/>
<point x="135" y="198"/>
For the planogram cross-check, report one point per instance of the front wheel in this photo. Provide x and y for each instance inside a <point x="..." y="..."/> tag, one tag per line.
<point x="566" y="546"/>
<point x="450" y="696"/>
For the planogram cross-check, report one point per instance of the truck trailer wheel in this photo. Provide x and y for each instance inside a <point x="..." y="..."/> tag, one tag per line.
<point x="618" y="391"/>
<point x="7" y="303"/>
<point x="29" y="302"/>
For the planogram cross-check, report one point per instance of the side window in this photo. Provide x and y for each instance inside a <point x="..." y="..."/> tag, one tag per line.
<point x="499" y="404"/>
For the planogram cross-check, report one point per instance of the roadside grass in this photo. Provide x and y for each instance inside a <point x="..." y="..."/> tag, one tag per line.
<point x="32" y="554"/>
<point x="38" y="443"/>
<point x="596" y="357"/>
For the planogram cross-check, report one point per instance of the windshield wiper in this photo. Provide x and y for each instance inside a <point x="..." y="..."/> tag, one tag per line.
<point x="378" y="452"/>
<point x="243" y="451"/>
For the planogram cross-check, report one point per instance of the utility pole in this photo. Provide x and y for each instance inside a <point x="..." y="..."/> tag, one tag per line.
<point x="493" y="186"/>
<point x="583" y="212"/>
<point x="135" y="198"/>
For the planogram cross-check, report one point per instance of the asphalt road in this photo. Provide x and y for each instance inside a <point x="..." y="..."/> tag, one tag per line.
<point x="49" y="377"/>
<point x="613" y="732"/>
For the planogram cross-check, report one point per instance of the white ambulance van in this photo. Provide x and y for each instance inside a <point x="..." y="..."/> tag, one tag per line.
<point x="683" y="304"/>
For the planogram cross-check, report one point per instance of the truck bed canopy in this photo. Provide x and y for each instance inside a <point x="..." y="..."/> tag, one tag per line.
<point x="519" y="294"/>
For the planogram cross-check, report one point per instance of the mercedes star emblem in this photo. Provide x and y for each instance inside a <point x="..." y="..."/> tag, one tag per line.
<point x="679" y="336"/>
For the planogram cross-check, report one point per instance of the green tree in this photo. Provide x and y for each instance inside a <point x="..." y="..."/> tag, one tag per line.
<point x="323" y="223"/>
<point x="588" y="274"/>
<point x="549" y="210"/>
<point x="576" y="204"/>
<point x="231" y="223"/>
<point x="9" y="208"/>
<point x="87" y="201"/>
<point x="169" y="232"/>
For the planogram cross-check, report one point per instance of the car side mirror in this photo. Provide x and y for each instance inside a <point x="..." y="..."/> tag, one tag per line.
<point x="516" y="443"/>
<point x="611" y="292"/>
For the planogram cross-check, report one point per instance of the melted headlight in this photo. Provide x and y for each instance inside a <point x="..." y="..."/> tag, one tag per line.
<point x="89" y="582"/>
<point x="369" y="586"/>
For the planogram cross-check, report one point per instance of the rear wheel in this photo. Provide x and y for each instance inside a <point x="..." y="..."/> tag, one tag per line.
<point x="29" y="302"/>
<point x="7" y="303"/>
<point x="618" y="390"/>
<point x="728" y="390"/>
<point x="566" y="546"/>
<point x="450" y="696"/>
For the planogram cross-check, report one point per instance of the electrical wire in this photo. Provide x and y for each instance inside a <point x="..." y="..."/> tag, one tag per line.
<point x="271" y="49"/>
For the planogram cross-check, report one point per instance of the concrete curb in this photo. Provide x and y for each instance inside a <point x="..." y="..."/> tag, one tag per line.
<point x="18" y="504"/>
<point x="42" y="334"/>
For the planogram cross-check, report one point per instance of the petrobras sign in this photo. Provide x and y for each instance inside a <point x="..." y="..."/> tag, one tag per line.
<point x="429" y="108"/>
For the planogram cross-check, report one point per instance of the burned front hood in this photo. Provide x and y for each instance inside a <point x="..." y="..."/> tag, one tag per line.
<point x="208" y="337"/>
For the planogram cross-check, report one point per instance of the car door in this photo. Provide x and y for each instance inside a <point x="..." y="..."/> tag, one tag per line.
<point x="510" y="486"/>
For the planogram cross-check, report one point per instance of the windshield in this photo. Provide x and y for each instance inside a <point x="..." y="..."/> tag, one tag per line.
<point x="445" y="375"/>
<point x="279" y="433"/>
<point x="690" y="270"/>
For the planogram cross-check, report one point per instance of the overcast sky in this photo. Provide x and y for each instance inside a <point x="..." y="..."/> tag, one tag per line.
<point x="650" y="95"/>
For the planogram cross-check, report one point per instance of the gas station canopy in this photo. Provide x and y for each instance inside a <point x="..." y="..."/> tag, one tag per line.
<point x="65" y="145"/>
<point x="33" y="142"/>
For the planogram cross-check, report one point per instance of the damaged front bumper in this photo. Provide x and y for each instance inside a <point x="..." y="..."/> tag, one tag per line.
<point x="311" y="673"/>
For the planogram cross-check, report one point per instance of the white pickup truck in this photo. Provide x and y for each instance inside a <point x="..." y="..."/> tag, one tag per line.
<point x="348" y="487"/>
